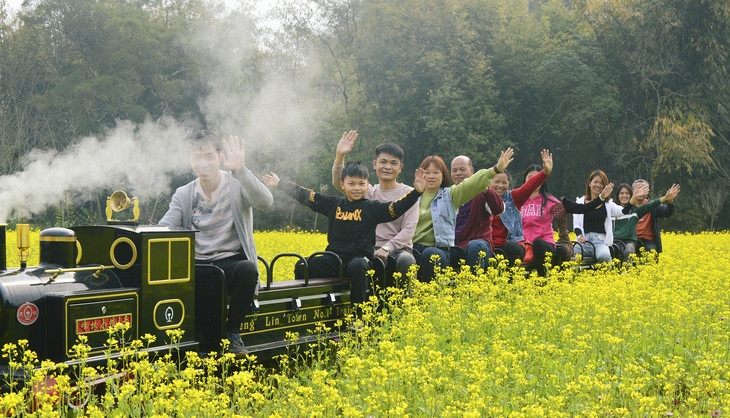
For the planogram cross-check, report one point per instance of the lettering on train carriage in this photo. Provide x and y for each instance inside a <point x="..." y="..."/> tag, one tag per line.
<point x="101" y="323"/>
<point x="288" y="319"/>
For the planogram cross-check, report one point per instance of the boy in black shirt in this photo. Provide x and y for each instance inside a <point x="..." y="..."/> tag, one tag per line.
<point x="352" y="222"/>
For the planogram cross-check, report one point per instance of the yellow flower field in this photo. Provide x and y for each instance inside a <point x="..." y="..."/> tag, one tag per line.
<point x="648" y="341"/>
<point x="271" y="243"/>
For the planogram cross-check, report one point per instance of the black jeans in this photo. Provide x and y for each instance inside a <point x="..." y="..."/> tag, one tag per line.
<point x="355" y="269"/>
<point x="513" y="251"/>
<point x="242" y="276"/>
<point x="540" y="247"/>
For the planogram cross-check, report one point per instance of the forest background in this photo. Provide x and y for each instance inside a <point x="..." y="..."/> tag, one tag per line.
<point x="638" y="88"/>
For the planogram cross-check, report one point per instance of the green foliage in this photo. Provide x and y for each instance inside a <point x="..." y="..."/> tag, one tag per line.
<point x="92" y="63"/>
<point x="637" y="88"/>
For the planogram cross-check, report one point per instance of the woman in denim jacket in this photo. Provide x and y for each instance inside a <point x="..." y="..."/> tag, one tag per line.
<point x="437" y="208"/>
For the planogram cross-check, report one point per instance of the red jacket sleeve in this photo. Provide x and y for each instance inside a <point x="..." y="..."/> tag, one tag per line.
<point x="522" y="193"/>
<point x="494" y="202"/>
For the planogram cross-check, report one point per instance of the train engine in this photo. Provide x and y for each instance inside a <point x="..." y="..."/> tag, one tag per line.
<point x="90" y="278"/>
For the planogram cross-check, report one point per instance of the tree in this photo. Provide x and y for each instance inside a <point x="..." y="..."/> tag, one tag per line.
<point x="647" y="43"/>
<point x="713" y="196"/>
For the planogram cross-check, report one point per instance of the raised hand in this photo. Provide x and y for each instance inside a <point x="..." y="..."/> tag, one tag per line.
<point x="671" y="193"/>
<point x="547" y="161"/>
<point x="641" y="190"/>
<point x="234" y="153"/>
<point x="639" y="194"/>
<point x="606" y="192"/>
<point x="419" y="183"/>
<point x="505" y="159"/>
<point x="270" y="180"/>
<point x="346" y="143"/>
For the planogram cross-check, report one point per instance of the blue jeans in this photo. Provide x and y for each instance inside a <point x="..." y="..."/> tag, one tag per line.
<point x="471" y="254"/>
<point x="445" y="256"/>
<point x="602" y="253"/>
<point x="627" y="248"/>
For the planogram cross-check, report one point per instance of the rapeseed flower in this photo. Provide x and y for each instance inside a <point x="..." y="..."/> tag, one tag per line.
<point x="648" y="340"/>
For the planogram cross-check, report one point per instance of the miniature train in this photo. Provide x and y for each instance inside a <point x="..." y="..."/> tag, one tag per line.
<point x="92" y="277"/>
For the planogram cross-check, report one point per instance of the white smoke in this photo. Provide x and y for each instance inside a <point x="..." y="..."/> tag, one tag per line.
<point x="276" y="113"/>
<point x="273" y="109"/>
<point x="141" y="159"/>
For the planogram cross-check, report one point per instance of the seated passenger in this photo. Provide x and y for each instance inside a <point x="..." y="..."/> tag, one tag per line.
<point x="437" y="210"/>
<point x="394" y="239"/>
<point x="647" y="229"/>
<point x="474" y="218"/>
<point x="218" y="204"/>
<point x="595" y="226"/>
<point x="507" y="227"/>
<point x="539" y="212"/>
<point x="625" y="226"/>
<point x="352" y="222"/>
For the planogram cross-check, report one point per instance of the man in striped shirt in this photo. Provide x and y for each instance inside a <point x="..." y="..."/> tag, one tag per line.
<point x="218" y="204"/>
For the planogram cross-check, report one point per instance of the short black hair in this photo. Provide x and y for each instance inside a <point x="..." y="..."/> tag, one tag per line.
<point x="356" y="169"/>
<point x="390" y="148"/>
<point x="509" y="177"/>
<point x="204" y="137"/>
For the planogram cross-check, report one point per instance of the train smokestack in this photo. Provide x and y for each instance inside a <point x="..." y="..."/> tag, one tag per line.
<point x="23" y="243"/>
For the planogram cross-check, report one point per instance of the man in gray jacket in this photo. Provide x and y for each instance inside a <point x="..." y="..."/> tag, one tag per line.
<point x="218" y="204"/>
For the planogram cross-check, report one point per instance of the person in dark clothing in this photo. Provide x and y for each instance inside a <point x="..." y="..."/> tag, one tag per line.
<point x="647" y="229"/>
<point x="352" y="223"/>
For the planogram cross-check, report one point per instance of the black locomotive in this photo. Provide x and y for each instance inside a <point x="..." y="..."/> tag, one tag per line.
<point x="92" y="277"/>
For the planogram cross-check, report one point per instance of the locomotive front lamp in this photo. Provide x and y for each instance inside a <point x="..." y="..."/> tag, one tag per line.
<point x="23" y="243"/>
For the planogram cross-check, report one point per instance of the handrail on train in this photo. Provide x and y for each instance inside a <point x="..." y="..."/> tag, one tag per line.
<point x="270" y="269"/>
<point x="323" y="254"/>
<point x="582" y="250"/>
<point x="305" y="261"/>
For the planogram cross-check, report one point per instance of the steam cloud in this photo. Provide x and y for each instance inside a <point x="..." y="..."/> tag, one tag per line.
<point x="275" y="117"/>
<point x="279" y="116"/>
<point x="142" y="159"/>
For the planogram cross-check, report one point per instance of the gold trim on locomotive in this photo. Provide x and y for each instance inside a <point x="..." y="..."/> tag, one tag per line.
<point x="182" y="317"/>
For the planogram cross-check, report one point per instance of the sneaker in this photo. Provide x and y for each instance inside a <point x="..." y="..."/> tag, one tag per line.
<point x="236" y="345"/>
